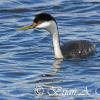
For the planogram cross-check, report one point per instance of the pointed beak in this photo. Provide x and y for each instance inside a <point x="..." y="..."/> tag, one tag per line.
<point x="27" y="27"/>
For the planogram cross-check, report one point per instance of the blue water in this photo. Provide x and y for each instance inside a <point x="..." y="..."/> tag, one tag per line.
<point x="28" y="70"/>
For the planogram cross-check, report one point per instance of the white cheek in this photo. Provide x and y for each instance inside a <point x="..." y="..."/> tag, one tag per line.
<point x="43" y="25"/>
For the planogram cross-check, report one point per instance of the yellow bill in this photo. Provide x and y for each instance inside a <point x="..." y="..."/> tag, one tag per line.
<point x="27" y="27"/>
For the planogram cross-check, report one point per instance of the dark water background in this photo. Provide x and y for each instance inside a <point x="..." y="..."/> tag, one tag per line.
<point x="28" y="70"/>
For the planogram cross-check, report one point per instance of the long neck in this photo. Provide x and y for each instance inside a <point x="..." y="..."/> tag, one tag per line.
<point x="56" y="40"/>
<point x="56" y="44"/>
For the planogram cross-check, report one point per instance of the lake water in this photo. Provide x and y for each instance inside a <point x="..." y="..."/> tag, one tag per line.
<point x="28" y="70"/>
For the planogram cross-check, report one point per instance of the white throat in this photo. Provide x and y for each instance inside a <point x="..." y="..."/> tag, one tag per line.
<point x="52" y="28"/>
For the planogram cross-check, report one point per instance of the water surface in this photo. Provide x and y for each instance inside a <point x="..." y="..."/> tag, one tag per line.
<point x="28" y="70"/>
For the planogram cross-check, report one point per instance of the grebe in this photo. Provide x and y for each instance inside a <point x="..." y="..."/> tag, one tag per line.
<point x="73" y="49"/>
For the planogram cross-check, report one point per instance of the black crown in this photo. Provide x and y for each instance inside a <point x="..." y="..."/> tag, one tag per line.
<point x="43" y="17"/>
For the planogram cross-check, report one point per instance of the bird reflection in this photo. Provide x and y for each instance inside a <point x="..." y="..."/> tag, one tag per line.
<point x="56" y="68"/>
<point x="46" y="81"/>
<point x="50" y="76"/>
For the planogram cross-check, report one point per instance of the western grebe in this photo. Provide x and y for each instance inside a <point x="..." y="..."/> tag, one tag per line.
<point x="72" y="49"/>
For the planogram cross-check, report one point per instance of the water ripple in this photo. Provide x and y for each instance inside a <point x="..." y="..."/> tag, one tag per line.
<point x="26" y="57"/>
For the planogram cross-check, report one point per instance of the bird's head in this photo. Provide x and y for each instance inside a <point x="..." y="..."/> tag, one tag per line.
<point x="42" y="21"/>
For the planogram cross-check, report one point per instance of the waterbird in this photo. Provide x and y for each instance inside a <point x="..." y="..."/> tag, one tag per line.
<point x="72" y="49"/>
